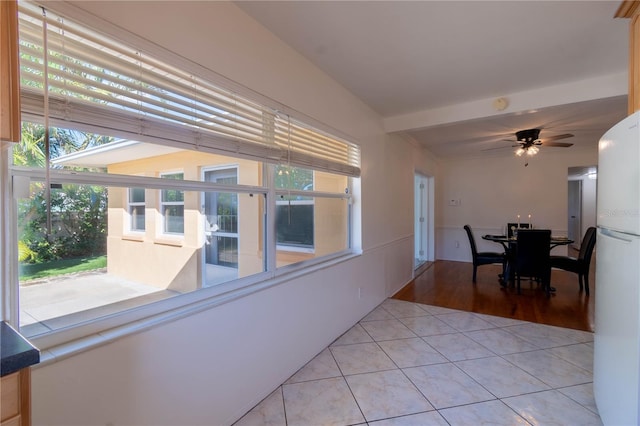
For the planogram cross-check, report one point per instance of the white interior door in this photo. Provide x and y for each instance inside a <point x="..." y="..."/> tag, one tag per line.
<point x="421" y="219"/>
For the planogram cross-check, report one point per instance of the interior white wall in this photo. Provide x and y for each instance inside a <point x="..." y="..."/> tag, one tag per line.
<point x="494" y="190"/>
<point x="212" y="367"/>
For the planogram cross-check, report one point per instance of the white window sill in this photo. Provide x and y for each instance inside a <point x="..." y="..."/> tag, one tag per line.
<point x="134" y="237"/>
<point x="295" y="249"/>
<point x="168" y="241"/>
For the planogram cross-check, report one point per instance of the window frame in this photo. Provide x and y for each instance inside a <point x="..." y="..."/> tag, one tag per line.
<point x="132" y="227"/>
<point x="304" y="200"/>
<point x="148" y="314"/>
<point x="164" y="223"/>
<point x="291" y="247"/>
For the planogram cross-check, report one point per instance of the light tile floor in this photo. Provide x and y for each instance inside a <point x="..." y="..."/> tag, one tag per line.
<point x="411" y="364"/>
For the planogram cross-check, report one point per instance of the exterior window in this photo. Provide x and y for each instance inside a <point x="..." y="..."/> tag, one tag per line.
<point x="312" y="214"/>
<point x="136" y="209"/>
<point x="294" y="213"/>
<point x="172" y="207"/>
<point x="294" y="223"/>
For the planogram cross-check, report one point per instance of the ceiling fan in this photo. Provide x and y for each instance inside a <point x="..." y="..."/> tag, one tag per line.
<point x="528" y="141"/>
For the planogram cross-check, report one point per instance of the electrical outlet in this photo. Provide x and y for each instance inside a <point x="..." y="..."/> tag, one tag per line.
<point x="457" y="244"/>
<point x="359" y="293"/>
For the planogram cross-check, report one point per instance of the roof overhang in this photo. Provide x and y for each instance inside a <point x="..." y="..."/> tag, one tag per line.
<point x="119" y="151"/>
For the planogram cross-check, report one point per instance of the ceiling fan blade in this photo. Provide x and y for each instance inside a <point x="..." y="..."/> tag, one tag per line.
<point x="493" y="149"/>
<point x="560" y="144"/>
<point x="556" y="137"/>
<point x="528" y="138"/>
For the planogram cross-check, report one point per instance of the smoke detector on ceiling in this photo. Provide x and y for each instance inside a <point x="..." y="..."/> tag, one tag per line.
<point x="500" y="104"/>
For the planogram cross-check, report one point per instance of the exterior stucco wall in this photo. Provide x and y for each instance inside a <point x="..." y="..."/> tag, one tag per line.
<point x="176" y="262"/>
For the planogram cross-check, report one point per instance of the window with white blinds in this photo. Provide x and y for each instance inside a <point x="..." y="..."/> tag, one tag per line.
<point x="124" y="161"/>
<point x="94" y="83"/>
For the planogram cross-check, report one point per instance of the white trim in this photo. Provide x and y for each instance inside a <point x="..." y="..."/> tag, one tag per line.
<point x="295" y="249"/>
<point x="297" y="202"/>
<point x="271" y="263"/>
<point x="105" y="179"/>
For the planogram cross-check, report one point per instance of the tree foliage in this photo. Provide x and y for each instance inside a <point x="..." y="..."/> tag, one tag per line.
<point x="78" y="212"/>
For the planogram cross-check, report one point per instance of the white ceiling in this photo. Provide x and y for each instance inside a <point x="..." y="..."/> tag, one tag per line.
<point x="432" y="69"/>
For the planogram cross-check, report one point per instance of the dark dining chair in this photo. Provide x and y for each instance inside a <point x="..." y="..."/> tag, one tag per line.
<point x="532" y="257"/>
<point x="511" y="226"/>
<point x="483" y="257"/>
<point x="579" y="265"/>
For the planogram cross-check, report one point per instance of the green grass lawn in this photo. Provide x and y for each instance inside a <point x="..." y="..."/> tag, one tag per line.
<point x="61" y="267"/>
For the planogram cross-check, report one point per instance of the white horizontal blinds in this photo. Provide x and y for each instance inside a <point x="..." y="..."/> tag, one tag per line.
<point x="100" y="85"/>
<point x="312" y="148"/>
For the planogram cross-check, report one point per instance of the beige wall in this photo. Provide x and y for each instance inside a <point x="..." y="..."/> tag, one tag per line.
<point x="494" y="190"/>
<point x="172" y="261"/>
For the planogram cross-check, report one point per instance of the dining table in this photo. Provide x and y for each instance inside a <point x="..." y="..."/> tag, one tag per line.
<point x="510" y="244"/>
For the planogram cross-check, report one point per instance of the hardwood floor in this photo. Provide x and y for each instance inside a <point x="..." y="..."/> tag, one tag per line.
<point x="448" y="284"/>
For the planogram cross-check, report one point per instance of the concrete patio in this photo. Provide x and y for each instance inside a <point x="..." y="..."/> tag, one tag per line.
<point x="54" y="303"/>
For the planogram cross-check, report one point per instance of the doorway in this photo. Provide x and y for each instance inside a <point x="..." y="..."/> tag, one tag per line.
<point x="574" y="212"/>
<point x="581" y="202"/>
<point x="423" y="222"/>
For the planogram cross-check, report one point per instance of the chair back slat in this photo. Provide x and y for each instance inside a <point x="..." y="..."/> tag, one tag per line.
<point x="472" y="241"/>
<point x="532" y="252"/>
<point x="587" y="245"/>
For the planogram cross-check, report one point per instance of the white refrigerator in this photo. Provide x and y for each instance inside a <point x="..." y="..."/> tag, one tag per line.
<point x="616" y="369"/>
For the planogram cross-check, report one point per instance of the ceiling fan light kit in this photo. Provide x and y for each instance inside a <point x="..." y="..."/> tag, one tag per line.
<point x="530" y="151"/>
<point x="528" y="141"/>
